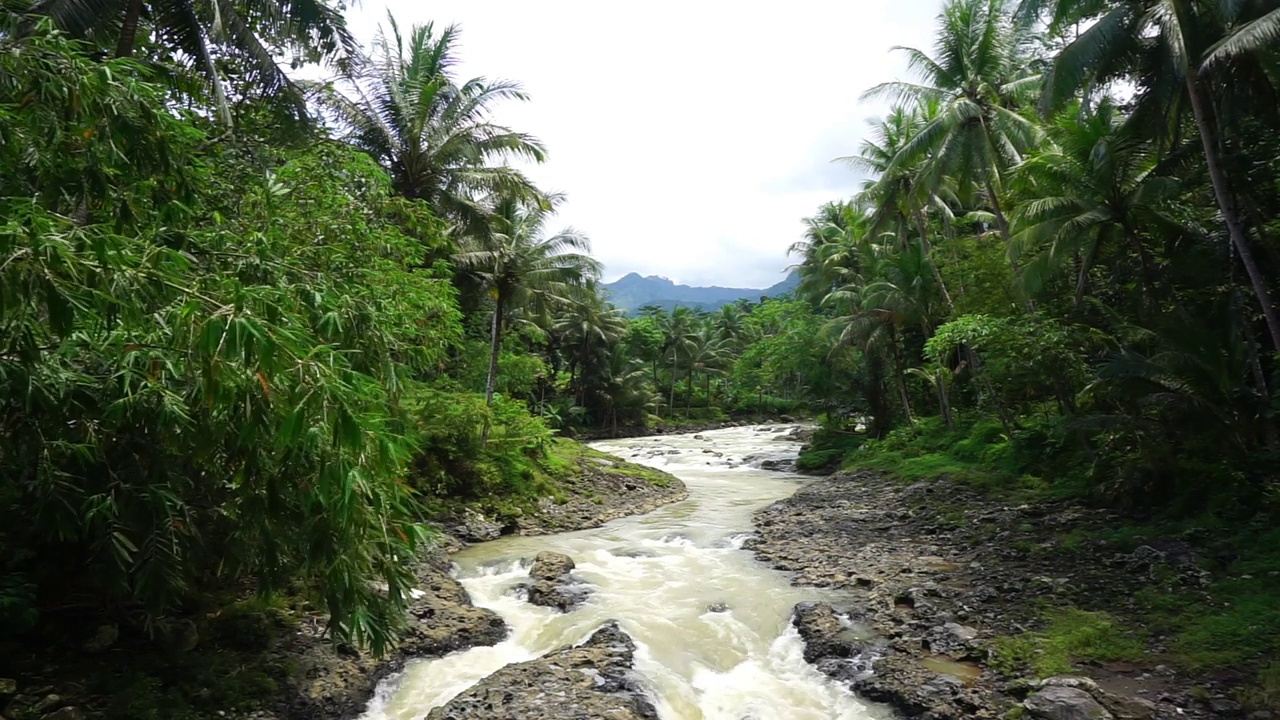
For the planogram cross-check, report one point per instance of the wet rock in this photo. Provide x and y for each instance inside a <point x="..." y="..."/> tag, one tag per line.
<point x="584" y="682"/>
<point x="546" y="593"/>
<point x="549" y="565"/>
<point x="717" y="608"/>
<point x="824" y="635"/>
<point x="1057" y="702"/>
<point x="553" y="586"/>
<point x="778" y="465"/>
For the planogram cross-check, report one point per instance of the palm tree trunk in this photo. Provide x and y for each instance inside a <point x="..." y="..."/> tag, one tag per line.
<point x="129" y="29"/>
<point x="925" y="247"/>
<point x="495" y="343"/>
<point x="688" y="400"/>
<point x="1003" y="224"/>
<point x="1227" y="206"/>
<point x="944" y="401"/>
<point x="671" y="398"/>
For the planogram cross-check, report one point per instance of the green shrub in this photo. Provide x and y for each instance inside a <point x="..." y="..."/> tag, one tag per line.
<point x="1070" y="635"/>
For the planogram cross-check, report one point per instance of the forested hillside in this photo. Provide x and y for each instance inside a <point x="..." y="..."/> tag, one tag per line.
<point x="632" y="292"/>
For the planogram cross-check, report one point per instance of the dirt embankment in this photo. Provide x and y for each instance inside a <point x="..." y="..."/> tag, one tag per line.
<point x="932" y="576"/>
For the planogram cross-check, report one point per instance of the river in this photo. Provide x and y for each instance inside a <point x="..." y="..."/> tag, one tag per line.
<point x="660" y="576"/>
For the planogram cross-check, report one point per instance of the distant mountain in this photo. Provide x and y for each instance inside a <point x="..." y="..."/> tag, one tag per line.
<point x="632" y="292"/>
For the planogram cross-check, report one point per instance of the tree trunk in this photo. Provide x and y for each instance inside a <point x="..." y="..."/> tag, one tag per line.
<point x="944" y="401"/>
<point x="671" y="399"/>
<point x="495" y="343"/>
<point x="688" y="401"/>
<point x="1003" y="225"/>
<point x="1226" y="205"/>
<point x="925" y="248"/>
<point x="129" y="29"/>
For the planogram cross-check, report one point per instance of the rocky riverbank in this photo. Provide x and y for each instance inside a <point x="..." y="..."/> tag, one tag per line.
<point x="937" y="576"/>
<point x="594" y="489"/>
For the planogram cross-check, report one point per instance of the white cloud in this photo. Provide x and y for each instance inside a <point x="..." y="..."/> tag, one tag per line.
<point x="691" y="137"/>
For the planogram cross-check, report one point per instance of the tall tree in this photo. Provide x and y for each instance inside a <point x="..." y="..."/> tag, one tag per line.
<point x="522" y="266"/>
<point x="432" y="133"/>
<point x="1181" y="54"/>
<point x="204" y="32"/>
<point x="980" y="77"/>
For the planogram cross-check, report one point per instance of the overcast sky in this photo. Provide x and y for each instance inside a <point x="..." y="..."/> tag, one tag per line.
<point x="690" y="137"/>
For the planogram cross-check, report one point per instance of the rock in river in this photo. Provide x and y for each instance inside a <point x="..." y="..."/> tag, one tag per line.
<point x="553" y="586"/>
<point x="549" y="565"/>
<point x="583" y="682"/>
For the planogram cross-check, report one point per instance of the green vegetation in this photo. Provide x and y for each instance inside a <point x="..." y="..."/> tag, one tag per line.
<point x="1069" y="636"/>
<point x="255" y="333"/>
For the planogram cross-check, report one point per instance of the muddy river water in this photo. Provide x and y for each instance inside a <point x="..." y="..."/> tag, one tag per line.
<point x="711" y="624"/>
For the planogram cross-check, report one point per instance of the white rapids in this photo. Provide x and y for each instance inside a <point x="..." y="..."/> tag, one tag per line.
<point x="657" y="575"/>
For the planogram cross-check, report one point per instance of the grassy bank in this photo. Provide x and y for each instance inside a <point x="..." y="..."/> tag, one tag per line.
<point x="1211" y="610"/>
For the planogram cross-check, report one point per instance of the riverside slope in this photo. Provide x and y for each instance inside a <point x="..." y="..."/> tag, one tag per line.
<point x="939" y="572"/>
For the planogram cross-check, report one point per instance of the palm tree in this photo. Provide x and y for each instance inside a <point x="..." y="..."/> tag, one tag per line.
<point x="898" y="198"/>
<point x="522" y="267"/>
<point x="979" y="77"/>
<point x="1093" y="185"/>
<point x="207" y="31"/>
<point x="829" y="252"/>
<point x="1181" y="54"/>
<point x="706" y="354"/>
<point x="433" y="134"/>
<point x="587" y="328"/>
<point x="679" y="330"/>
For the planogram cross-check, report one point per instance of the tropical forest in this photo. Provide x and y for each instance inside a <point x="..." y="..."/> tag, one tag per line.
<point x="311" y="399"/>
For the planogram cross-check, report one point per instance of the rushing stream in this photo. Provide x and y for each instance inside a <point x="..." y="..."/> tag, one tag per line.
<point x="658" y="575"/>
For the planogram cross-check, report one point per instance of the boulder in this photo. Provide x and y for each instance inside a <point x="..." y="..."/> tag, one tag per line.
<point x="1058" y="702"/>
<point x="547" y="593"/>
<point x="549" y="565"/>
<point x="584" y="682"/>
<point x="1121" y="706"/>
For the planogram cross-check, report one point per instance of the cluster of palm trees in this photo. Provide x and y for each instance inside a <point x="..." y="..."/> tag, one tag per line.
<point x="434" y="135"/>
<point x="1106" y="165"/>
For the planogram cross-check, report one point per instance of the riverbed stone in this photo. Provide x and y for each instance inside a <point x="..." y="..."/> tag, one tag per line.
<point x="564" y="598"/>
<point x="549" y="565"/>
<point x="1123" y="707"/>
<point x="473" y="526"/>
<point x="583" y="682"/>
<point x="1057" y="702"/>
<point x="824" y="635"/>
